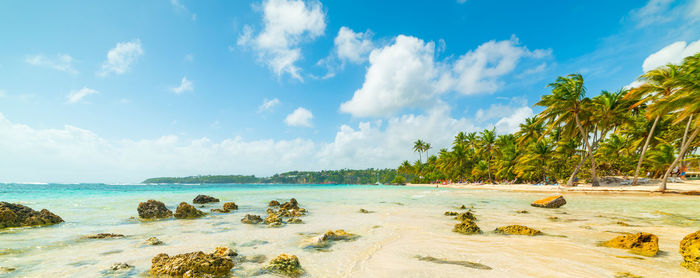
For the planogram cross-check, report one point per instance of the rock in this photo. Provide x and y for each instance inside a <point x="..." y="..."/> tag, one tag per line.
<point x="550" y="202"/>
<point x="466" y="216"/>
<point x="517" y="230"/>
<point x="226" y="252"/>
<point x="292" y="204"/>
<point x="340" y="235"/>
<point x="104" y="236"/>
<point x="690" y="250"/>
<point x="285" y="265"/>
<point x="16" y="215"/>
<point x="185" y="210"/>
<point x="467" y="227"/>
<point x="230" y="206"/>
<point x="463" y="207"/>
<point x="321" y="241"/>
<point x="640" y="243"/>
<point x="203" y="199"/>
<point x="364" y="210"/>
<point x="153" y="209"/>
<point x="154" y="241"/>
<point x="294" y="220"/>
<point x="451" y="213"/>
<point x="120" y="266"/>
<point x="626" y="275"/>
<point x="272" y="219"/>
<point x="273" y="203"/>
<point x="5" y="270"/>
<point x="251" y="219"/>
<point x="522" y="211"/>
<point x="194" y="264"/>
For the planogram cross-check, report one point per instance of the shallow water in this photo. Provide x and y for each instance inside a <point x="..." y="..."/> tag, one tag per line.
<point x="406" y="224"/>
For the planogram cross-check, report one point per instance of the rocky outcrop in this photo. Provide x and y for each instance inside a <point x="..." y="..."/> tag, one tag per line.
<point x="276" y="214"/>
<point x="185" y="210"/>
<point x="273" y="219"/>
<point x="194" y="264"/>
<point x="292" y="204"/>
<point x="463" y="207"/>
<point x="550" y="202"/>
<point x="251" y="219"/>
<point x="103" y="236"/>
<point x="690" y="250"/>
<point x="322" y="240"/>
<point x="225" y="252"/>
<point x="153" y="209"/>
<point x="203" y="199"/>
<point x="228" y="207"/>
<point x="287" y="265"/>
<point x="451" y="213"/>
<point x="517" y="230"/>
<point x="16" y="215"/>
<point x="466" y="216"/>
<point x="467" y="227"/>
<point x="273" y="203"/>
<point x="640" y="243"/>
<point x="154" y="241"/>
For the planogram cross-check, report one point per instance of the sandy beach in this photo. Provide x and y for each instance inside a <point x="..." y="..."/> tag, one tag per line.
<point x="690" y="187"/>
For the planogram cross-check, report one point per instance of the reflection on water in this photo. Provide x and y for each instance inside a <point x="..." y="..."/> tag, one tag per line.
<point x="406" y="235"/>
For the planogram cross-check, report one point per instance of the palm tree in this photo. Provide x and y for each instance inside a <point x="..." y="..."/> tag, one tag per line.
<point x="418" y="147"/>
<point x="460" y="139"/>
<point x="564" y="107"/>
<point x="658" y="84"/>
<point x="427" y="147"/>
<point x="487" y="140"/>
<point x="530" y="131"/>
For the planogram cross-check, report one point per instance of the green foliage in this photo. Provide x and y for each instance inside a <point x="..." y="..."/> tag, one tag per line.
<point x="344" y="176"/>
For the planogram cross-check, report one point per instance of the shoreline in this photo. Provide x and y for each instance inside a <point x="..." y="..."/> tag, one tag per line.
<point x="686" y="188"/>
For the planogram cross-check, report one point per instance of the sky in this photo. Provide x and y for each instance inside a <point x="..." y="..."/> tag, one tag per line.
<point x="120" y="91"/>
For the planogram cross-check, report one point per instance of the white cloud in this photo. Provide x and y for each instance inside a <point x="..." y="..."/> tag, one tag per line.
<point x="655" y="11"/>
<point x="403" y="74"/>
<point x="268" y="104"/>
<point x="672" y="53"/>
<point x="511" y="122"/>
<point x="183" y="9"/>
<point x="286" y="24"/>
<point x="406" y="75"/>
<point x="185" y="86"/>
<point x="62" y="62"/>
<point x="120" y="58"/>
<point x="352" y="46"/>
<point x="300" y="117"/>
<point x="75" y="96"/>
<point x="480" y="70"/>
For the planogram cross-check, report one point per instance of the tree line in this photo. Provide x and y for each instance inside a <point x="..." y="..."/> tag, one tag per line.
<point x="343" y="176"/>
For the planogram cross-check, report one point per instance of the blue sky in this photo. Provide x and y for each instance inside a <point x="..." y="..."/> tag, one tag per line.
<point x="124" y="90"/>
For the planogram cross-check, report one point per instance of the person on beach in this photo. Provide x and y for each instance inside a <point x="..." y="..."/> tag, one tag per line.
<point x="683" y="170"/>
<point x="575" y="181"/>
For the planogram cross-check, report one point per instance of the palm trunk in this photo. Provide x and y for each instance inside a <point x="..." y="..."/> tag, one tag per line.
<point x="685" y="135"/>
<point x="684" y="148"/>
<point x="644" y="149"/>
<point x="570" y="182"/>
<point x="489" y="167"/>
<point x="594" y="178"/>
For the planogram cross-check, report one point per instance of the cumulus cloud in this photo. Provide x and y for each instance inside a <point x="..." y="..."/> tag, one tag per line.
<point x="352" y="46"/>
<point x="672" y="53"/>
<point x="62" y="62"/>
<point x="300" y="117"/>
<point x="286" y="24"/>
<point x="185" y="86"/>
<point x="268" y="104"/>
<point x="75" y="96"/>
<point x="405" y="74"/>
<point x="120" y="58"/>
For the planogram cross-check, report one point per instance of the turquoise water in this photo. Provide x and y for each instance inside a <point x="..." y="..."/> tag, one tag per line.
<point x="406" y="222"/>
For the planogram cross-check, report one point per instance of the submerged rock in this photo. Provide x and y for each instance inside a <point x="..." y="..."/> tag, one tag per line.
<point x="550" y="202"/>
<point x="294" y="220"/>
<point x="640" y="243"/>
<point x="185" y="210"/>
<point x="193" y="264"/>
<point x="16" y="215"/>
<point x="364" y="210"/>
<point x="463" y="207"/>
<point x="522" y="211"/>
<point x="153" y="209"/>
<point x="5" y="269"/>
<point x="223" y="251"/>
<point x="228" y="207"/>
<point x="120" y="266"/>
<point x="154" y="241"/>
<point x="251" y="219"/>
<point x="467" y="227"/>
<point x="466" y="216"/>
<point x="287" y="265"/>
<point x="321" y="241"/>
<point x="517" y="230"/>
<point x="253" y="259"/>
<point x="203" y="199"/>
<point x="626" y="275"/>
<point x="272" y="219"/>
<point x="690" y="250"/>
<point x="461" y="263"/>
<point x="340" y="235"/>
<point x="451" y="213"/>
<point x="273" y="203"/>
<point x="103" y="236"/>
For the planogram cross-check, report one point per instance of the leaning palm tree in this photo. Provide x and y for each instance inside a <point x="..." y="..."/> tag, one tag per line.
<point x="418" y="147"/>
<point x="564" y="107"/>
<point x="658" y="84"/>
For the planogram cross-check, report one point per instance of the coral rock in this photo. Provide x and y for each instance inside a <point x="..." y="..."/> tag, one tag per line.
<point x="467" y="227"/>
<point x="203" y="199"/>
<point x="451" y="213"/>
<point x="185" y="210"/>
<point x="273" y="203"/>
<point x="194" y="264"/>
<point x="364" y="210"/>
<point x="285" y="265"/>
<point x="16" y="215"/>
<point x="292" y="204"/>
<point x="517" y="230"/>
<point x="223" y="251"/>
<point x="153" y="209"/>
<point x="640" y="243"/>
<point x="466" y="216"/>
<point x="154" y="241"/>
<point x="550" y="202"/>
<point x="251" y="219"/>
<point x="690" y="250"/>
